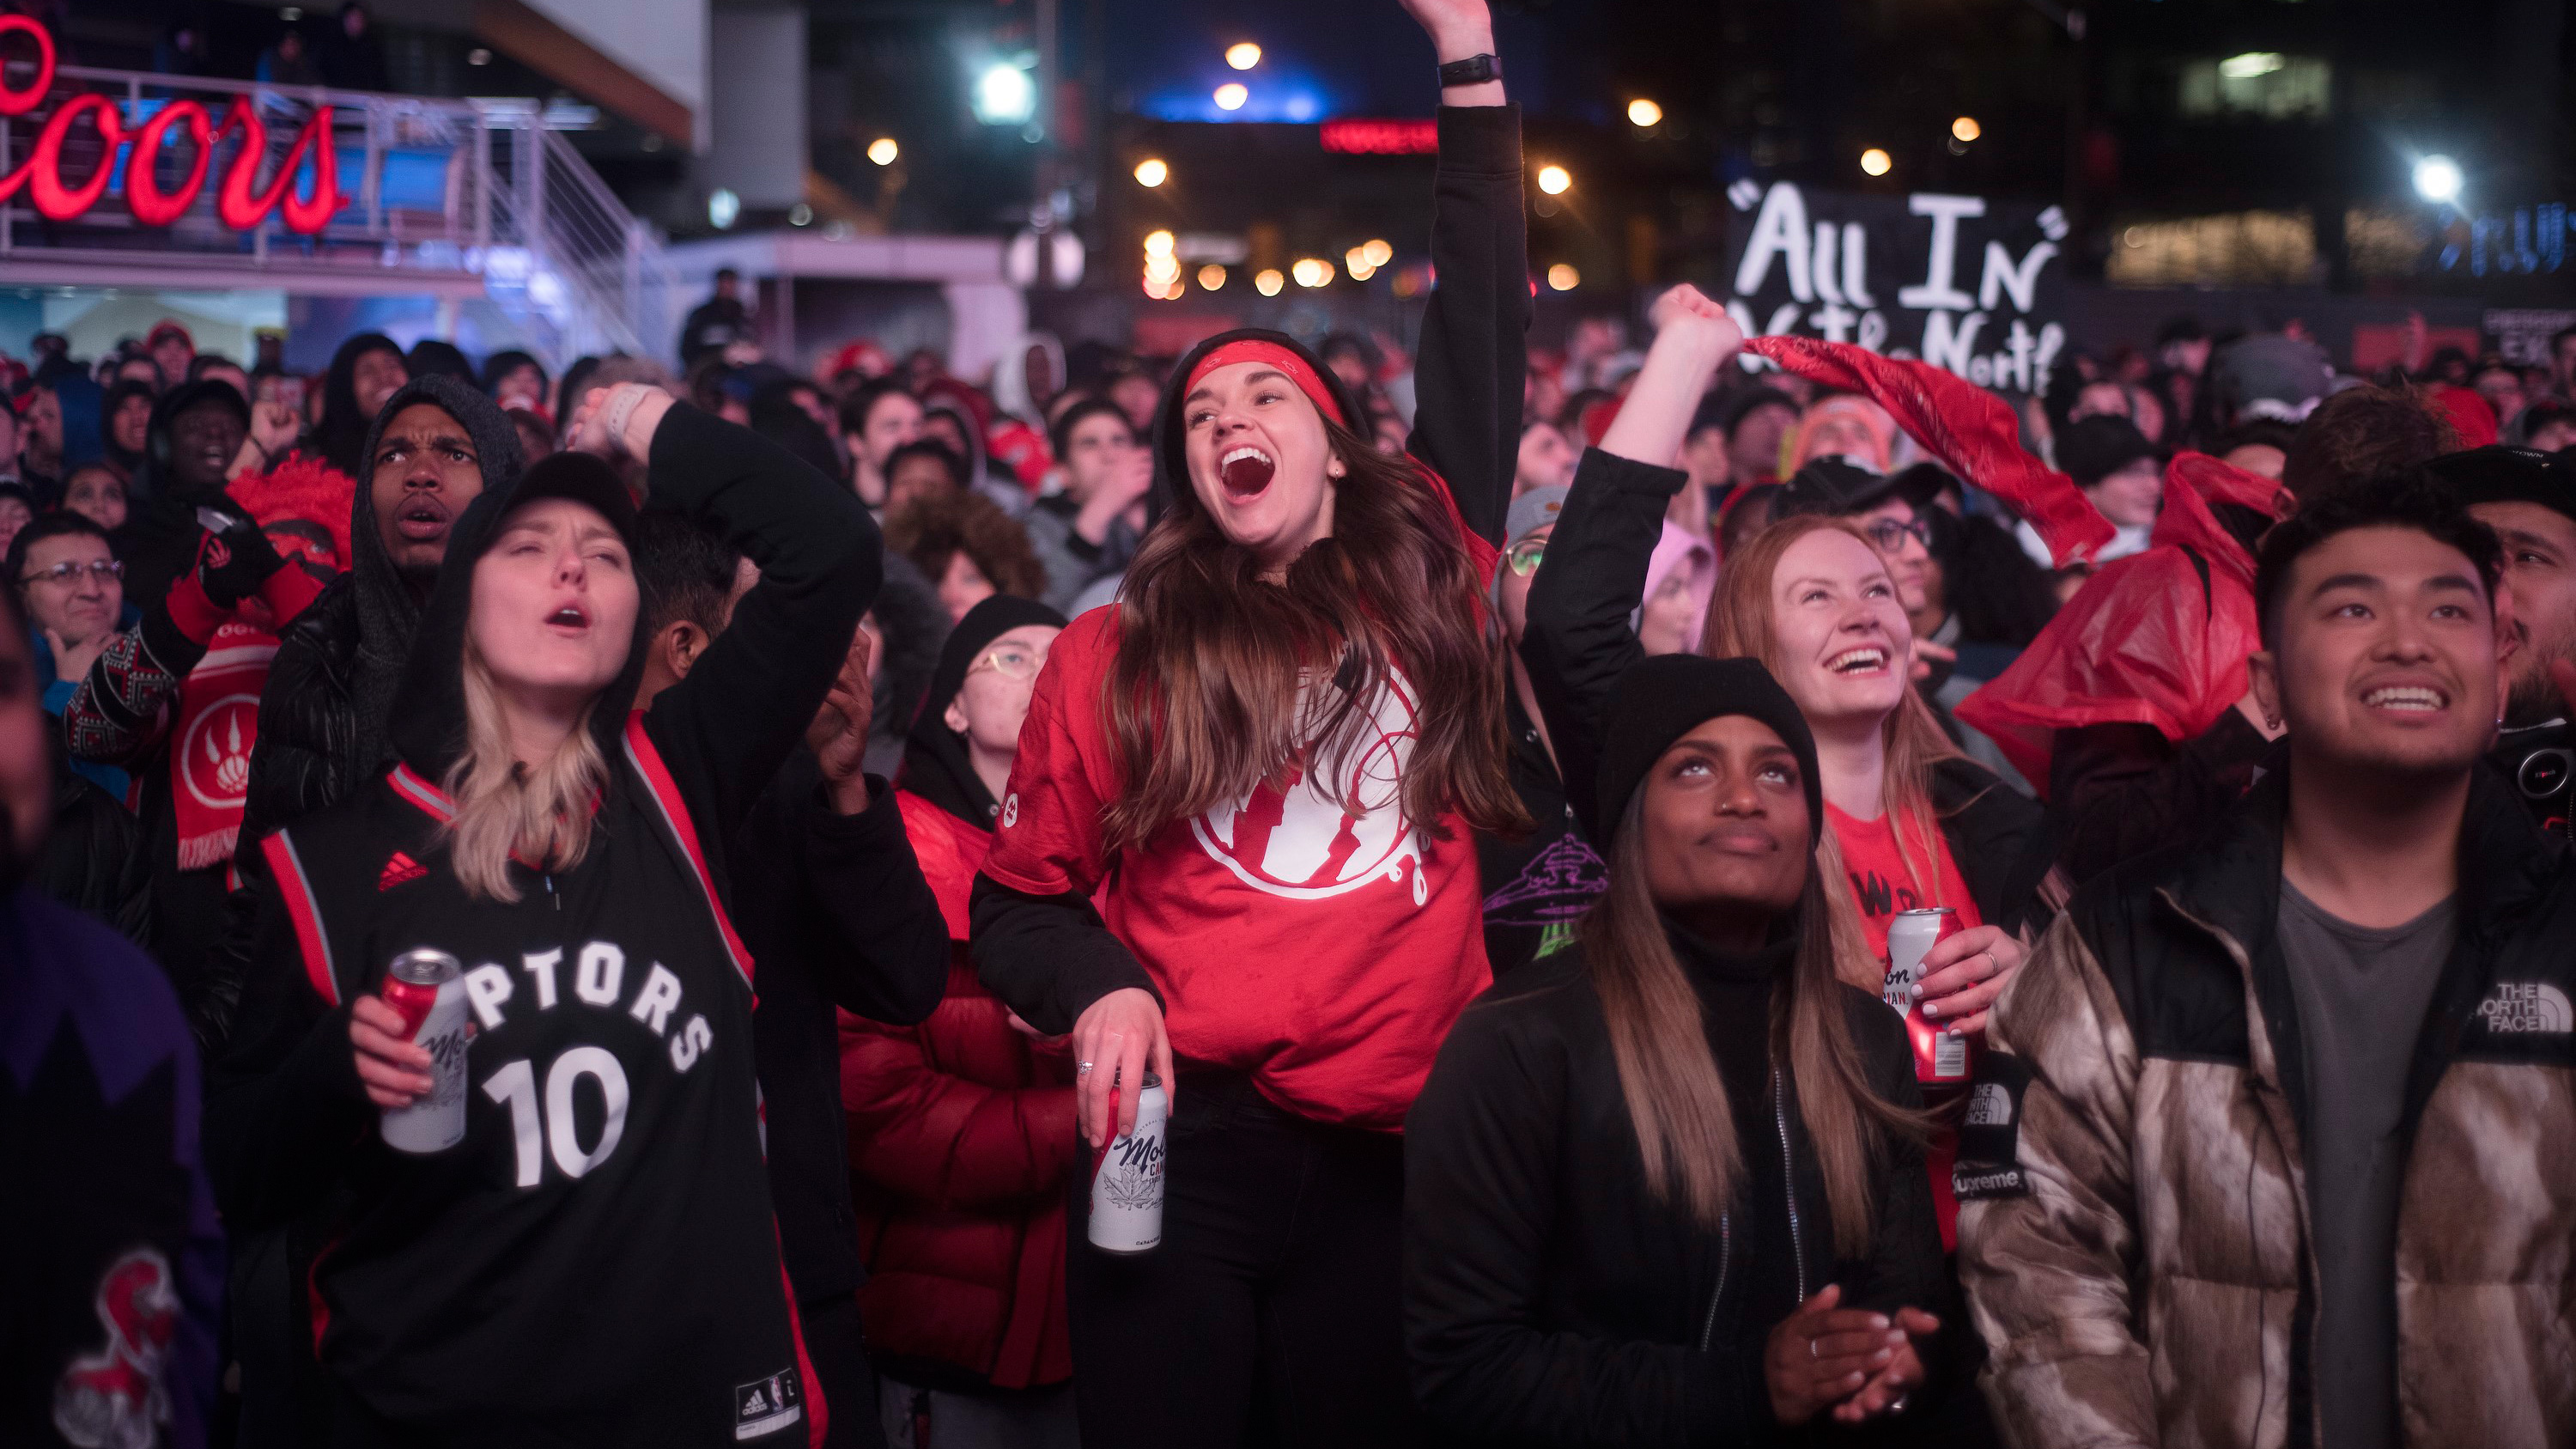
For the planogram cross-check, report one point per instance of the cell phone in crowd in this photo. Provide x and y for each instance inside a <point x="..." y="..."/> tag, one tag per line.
<point x="215" y="520"/>
<point x="290" y="391"/>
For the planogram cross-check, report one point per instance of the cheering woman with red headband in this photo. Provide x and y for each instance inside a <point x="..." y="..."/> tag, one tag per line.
<point x="1264" y="767"/>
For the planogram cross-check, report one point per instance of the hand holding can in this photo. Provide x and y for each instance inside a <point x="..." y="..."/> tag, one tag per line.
<point x="1940" y="1055"/>
<point x="1127" y="1179"/>
<point x="426" y="990"/>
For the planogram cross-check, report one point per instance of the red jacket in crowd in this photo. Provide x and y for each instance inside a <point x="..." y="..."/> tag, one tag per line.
<point x="961" y="1135"/>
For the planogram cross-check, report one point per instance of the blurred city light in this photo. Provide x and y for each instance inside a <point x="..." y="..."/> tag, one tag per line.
<point x="723" y="209"/>
<point x="1356" y="262"/>
<point x="1966" y="128"/>
<point x="1643" y="112"/>
<point x="1162" y="270"/>
<point x="1231" y="96"/>
<point x="1311" y="271"/>
<point x="2437" y="178"/>
<point x="1211" y="278"/>
<point x="1554" y="180"/>
<point x="1243" y="55"/>
<point x="1377" y="252"/>
<point x="1268" y="282"/>
<point x="1563" y="278"/>
<point x="1158" y="243"/>
<point x="1875" y="162"/>
<point x="883" y="150"/>
<point x="1005" y="95"/>
<point x="2249" y="65"/>
<point x="800" y="215"/>
<point x="1152" y="172"/>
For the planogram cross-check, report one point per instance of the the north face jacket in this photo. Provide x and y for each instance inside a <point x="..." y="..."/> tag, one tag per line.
<point x="2134" y="1231"/>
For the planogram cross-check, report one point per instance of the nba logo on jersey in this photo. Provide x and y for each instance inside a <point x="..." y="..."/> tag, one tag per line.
<point x="768" y="1405"/>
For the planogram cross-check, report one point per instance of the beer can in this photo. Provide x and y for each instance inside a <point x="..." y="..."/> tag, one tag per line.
<point x="428" y="988"/>
<point x="1127" y="1181"/>
<point x="1940" y="1055"/>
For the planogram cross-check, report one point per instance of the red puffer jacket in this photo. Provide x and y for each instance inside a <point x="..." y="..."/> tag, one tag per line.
<point x="961" y="1134"/>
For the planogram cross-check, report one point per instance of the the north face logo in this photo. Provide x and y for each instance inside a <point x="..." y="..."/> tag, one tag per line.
<point x="1990" y="1106"/>
<point x="401" y="870"/>
<point x="2527" y="1006"/>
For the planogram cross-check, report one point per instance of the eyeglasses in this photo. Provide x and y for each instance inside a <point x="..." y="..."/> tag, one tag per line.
<point x="1526" y="555"/>
<point x="68" y="573"/>
<point x="1010" y="661"/>
<point x="1890" y="535"/>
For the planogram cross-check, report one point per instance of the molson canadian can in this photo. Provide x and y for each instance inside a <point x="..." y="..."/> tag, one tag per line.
<point x="428" y="988"/>
<point x="1127" y="1181"/>
<point x="1940" y="1055"/>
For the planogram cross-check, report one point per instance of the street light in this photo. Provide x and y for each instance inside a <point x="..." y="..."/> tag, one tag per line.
<point x="723" y="209"/>
<point x="1267" y="281"/>
<point x="1232" y="95"/>
<point x="1311" y="271"/>
<point x="1211" y="278"/>
<point x="1554" y="180"/>
<point x="1643" y="112"/>
<point x="883" y="150"/>
<point x="1563" y="278"/>
<point x="2437" y="178"/>
<point x="1875" y="162"/>
<point x="1966" y="128"/>
<point x="1152" y="172"/>
<point x="1243" y="55"/>
<point x="1158" y="243"/>
<point x="1005" y="96"/>
<point x="1356" y="262"/>
<point x="1377" y="252"/>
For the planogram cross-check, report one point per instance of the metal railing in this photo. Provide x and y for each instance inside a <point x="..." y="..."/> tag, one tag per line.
<point x="440" y="194"/>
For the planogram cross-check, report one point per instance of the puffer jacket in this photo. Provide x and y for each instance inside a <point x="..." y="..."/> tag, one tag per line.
<point x="2135" y="1235"/>
<point x="961" y="1137"/>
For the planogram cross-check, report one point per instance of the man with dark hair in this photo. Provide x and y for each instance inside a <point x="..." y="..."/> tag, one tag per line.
<point x="718" y="322"/>
<point x="831" y="902"/>
<point x="920" y="470"/>
<point x="1085" y="532"/>
<point x="2255" y="1144"/>
<point x="1757" y="418"/>
<point x="2529" y="499"/>
<point x="877" y="419"/>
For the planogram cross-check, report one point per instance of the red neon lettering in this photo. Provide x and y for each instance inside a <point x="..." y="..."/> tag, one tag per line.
<point x="55" y="200"/>
<point x="20" y="102"/>
<point x="143" y="194"/>
<point x="243" y="207"/>
<point x="1381" y="138"/>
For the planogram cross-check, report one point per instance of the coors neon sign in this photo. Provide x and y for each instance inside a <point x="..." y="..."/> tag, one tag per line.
<point x="240" y="200"/>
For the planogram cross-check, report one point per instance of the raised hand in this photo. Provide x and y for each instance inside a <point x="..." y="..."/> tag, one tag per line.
<point x="839" y="734"/>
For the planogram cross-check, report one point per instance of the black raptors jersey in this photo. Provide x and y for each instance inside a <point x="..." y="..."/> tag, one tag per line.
<point x="598" y="1253"/>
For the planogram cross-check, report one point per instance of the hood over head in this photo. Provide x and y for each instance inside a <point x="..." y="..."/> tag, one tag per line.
<point x="125" y="458"/>
<point x="427" y="725"/>
<point x="1011" y="391"/>
<point x="153" y="478"/>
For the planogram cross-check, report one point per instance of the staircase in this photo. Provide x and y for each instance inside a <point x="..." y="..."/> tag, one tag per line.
<point x="566" y="260"/>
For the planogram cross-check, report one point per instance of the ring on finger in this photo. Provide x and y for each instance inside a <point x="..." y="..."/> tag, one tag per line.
<point x="1082" y="1069"/>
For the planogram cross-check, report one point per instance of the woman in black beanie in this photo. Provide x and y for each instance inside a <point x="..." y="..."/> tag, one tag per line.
<point x="1667" y="1188"/>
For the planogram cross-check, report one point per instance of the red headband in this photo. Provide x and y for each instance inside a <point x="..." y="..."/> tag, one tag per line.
<point x="1255" y="350"/>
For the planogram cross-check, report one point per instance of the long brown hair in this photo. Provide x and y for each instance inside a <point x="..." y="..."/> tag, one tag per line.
<point x="1677" y="1099"/>
<point x="1204" y="699"/>
<point x="1742" y="623"/>
<point x="540" y="814"/>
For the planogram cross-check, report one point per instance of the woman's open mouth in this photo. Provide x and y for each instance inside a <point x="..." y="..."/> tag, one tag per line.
<point x="568" y="617"/>
<point x="1866" y="660"/>
<point x="1246" y="471"/>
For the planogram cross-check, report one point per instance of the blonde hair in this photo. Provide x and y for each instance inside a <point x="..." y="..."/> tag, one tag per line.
<point x="540" y="814"/>
<point x="1742" y="623"/>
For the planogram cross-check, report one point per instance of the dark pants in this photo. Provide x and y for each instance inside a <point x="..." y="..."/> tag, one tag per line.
<point x="841" y="1371"/>
<point x="1271" y="1312"/>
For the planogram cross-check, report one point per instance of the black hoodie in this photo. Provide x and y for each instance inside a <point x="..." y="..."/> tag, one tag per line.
<point x="161" y="528"/>
<point x="595" y="1262"/>
<point x="322" y="716"/>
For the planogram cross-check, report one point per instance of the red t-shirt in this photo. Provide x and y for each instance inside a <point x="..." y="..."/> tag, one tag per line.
<point x="1323" y="953"/>
<point x="1881" y="886"/>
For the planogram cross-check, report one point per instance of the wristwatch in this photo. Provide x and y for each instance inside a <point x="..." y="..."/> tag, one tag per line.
<point x="1474" y="70"/>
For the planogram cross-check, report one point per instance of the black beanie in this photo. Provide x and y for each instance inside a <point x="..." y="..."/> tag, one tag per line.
<point x="2500" y="474"/>
<point x="1666" y="696"/>
<point x="974" y="634"/>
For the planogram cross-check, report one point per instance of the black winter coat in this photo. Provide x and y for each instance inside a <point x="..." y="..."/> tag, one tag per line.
<point x="1551" y="1299"/>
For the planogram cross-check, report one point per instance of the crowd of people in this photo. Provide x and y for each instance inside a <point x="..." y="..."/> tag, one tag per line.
<point x="1493" y="797"/>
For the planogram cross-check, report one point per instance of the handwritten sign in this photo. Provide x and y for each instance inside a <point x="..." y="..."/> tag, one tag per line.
<point x="1964" y="283"/>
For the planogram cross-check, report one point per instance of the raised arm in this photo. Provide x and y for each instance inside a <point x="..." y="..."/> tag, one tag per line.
<point x="1473" y="359"/>
<point x="726" y="729"/>
<point x="1579" y="639"/>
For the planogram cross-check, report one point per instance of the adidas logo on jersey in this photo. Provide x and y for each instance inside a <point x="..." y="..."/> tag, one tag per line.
<point x="401" y="870"/>
<point x="2525" y="1007"/>
<point x="768" y="1405"/>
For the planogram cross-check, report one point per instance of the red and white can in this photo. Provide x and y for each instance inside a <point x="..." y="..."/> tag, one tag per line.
<point x="428" y="988"/>
<point x="1940" y="1054"/>
<point x="1127" y="1181"/>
